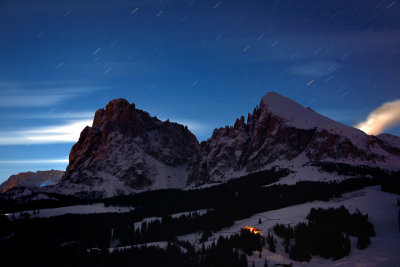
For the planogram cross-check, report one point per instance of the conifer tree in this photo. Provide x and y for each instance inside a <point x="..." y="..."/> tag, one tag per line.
<point x="271" y="243"/>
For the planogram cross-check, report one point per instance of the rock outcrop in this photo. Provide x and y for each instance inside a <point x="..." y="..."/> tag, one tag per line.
<point x="32" y="179"/>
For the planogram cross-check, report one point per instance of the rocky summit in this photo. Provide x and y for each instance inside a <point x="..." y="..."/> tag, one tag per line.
<point x="128" y="150"/>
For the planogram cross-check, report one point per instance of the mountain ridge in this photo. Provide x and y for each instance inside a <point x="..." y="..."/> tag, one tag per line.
<point x="281" y="132"/>
<point x="126" y="150"/>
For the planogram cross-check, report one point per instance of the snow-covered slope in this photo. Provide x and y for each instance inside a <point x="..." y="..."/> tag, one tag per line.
<point x="295" y="115"/>
<point x="380" y="207"/>
<point x="390" y="140"/>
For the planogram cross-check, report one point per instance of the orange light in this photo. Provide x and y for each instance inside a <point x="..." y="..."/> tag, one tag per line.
<point x="253" y="230"/>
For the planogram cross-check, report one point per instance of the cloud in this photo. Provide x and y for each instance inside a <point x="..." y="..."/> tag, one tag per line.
<point x="40" y="94"/>
<point x="316" y="69"/>
<point x="67" y="115"/>
<point x="32" y="101"/>
<point x="385" y="116"/>
<point x="51" y="115"/>
<point x="66" y="133"/>
<point x="35" y="161"/>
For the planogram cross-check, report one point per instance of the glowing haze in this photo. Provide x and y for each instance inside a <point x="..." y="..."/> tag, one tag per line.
<point x="385" y="116"/>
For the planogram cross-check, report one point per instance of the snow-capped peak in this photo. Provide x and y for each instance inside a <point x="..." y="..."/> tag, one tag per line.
<point x="297" y="116"/>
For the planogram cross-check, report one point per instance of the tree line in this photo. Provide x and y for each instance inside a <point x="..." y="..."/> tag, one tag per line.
<point x="326" y="234"/>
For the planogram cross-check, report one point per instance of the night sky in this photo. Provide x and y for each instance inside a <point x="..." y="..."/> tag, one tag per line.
<point x="200" y="63"/>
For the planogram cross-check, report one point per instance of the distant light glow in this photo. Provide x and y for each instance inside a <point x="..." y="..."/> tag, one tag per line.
<point x="385" y="116"/>
<point x="253" y="230"/>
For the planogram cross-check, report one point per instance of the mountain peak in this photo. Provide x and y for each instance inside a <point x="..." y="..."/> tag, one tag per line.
<point x="276" y="95"/>
<point x="300" y="117"/>
<point x="117" y="110"/>
<point x="128" y="150"/>
<point x="119" y="103"/>
<point x="281" y="106"/>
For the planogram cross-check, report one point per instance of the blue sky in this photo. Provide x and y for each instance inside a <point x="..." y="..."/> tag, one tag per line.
<point x="201" y="63"/>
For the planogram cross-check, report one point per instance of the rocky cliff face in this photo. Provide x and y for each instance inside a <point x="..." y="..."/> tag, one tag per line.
<point x="32" y="179"/>
<point x="127" y="150"/>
